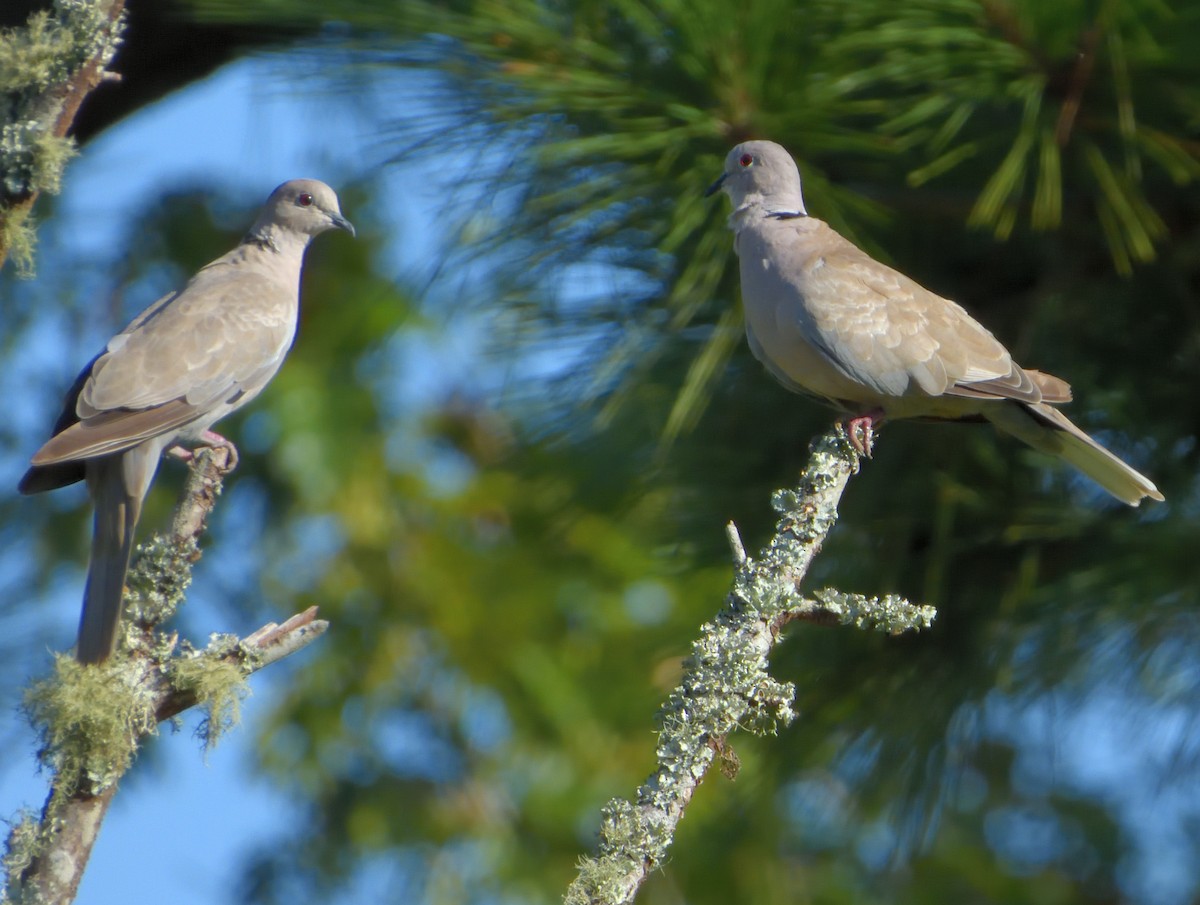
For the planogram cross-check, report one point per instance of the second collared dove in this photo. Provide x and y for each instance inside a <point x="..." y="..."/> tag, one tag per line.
<point x="185" y="362"/>
<point x="828" y="320"/>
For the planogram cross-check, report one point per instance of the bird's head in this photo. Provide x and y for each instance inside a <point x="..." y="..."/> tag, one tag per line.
<point x="305" y="206"/>
<point x="761" y="174"/>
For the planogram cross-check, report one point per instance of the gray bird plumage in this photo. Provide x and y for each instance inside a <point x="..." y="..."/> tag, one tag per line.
<point x="828" y="320"/>
<point x="184" y="363"/>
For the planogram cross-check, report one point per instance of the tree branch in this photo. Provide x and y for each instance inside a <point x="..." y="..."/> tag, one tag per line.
<point x="726" y="685"/>
<point x="46" y="70"/>
<point x="92" y="719"/>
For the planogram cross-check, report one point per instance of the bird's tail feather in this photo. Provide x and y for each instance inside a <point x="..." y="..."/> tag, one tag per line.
<point x="117" y="512"/>
<point x="1049" y="430"/>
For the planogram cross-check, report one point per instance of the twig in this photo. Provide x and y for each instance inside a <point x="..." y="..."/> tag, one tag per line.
<point x="1001" y="16"/>
<point x="93" y="718"/>
<point x="726" y="685"/>
<point x="259" y="649"/>
<point x="1081" y="74"/>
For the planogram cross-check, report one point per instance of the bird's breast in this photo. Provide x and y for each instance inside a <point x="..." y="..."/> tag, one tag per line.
<point x="782" y="335"/>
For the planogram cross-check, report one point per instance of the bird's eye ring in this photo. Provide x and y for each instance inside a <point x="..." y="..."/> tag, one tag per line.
<point x="746" y="159"/>
<point x="304" y="199"/>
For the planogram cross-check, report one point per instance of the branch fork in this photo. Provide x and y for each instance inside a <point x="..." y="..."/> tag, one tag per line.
<point x="726" y="685"/>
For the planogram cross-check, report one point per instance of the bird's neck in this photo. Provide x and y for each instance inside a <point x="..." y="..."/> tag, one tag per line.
<point x="759" y="207"/>
<point x="278" y="253"/>
<point x="270" y="238"/>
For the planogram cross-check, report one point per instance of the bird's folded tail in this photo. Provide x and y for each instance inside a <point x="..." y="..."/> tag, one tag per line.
<point x="117" y="513"/>
<point x="1050" y="431"/>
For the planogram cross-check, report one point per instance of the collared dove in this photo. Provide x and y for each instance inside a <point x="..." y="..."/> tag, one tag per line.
<point x="828" y="320"/>
<point x="184" y="363"/>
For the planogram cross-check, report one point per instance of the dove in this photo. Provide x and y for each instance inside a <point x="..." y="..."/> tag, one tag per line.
<point x="828" y="320"/>
<point x="184" y="363"/>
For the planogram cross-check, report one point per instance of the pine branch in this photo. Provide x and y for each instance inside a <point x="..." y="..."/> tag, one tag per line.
<point x="92" y="719"/>
<point x="726" y="685"/>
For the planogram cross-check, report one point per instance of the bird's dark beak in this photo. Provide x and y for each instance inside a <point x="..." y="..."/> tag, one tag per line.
<point x="342" y="223"/>
<point x="716" y="186"/>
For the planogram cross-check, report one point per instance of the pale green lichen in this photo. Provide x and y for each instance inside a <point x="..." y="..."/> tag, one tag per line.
<point x="158" y="580"/>
<point x="25" y="842"/>
<point x="219" y="686"/>
<point x="33" y="157"/>
<point x="605" y="879"/>
<point x="37" y="63"/>
<point x="53" y="45"/>
<point x="632" y="839"/>
<point x="19" y="238"/>
<point x="35" y="57"/>
<point x="890" y="613"/>
<point x="90" y="720"/>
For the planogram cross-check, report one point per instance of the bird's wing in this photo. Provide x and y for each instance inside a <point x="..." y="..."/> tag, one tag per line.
<point x="887" y="332"/>
<point x="219" y="339"/>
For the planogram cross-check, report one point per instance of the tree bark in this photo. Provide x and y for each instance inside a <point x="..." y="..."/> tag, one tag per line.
<point x="726" y="685"/>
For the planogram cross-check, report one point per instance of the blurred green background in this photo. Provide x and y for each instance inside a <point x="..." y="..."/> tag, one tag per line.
<point x="503" y="474"/>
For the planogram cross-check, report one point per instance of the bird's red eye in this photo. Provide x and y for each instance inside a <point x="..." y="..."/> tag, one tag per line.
<point x="746" y="159"/>
<point x="304" y="199"/>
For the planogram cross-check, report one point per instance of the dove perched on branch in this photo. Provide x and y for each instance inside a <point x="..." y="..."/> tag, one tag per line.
<point x="184" y="363"/>
<point x="828" y="320"/>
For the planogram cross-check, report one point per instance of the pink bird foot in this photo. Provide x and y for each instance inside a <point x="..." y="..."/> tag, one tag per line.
<point x="212" y="440"/>
<point x="860" y="430"/>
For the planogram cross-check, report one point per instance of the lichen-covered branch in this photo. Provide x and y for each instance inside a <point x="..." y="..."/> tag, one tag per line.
<point x="726" y="685"/>
<point x="92" y="719"/>
<point x="47" y="68"/>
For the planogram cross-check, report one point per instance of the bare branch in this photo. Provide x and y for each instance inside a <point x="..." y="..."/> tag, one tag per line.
<point x="263" y="647"/>
<point x="726" y="685"/>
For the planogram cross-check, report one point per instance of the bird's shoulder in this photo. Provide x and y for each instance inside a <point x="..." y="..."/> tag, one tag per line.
<point x="228" y="296"/>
